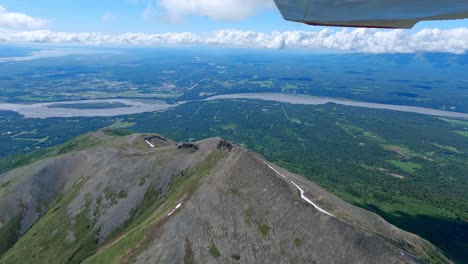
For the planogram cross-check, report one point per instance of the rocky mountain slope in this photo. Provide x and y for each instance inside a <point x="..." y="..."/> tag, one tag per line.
<point x="146" y="199"/>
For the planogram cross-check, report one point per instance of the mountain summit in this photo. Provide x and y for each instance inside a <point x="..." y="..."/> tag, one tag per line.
<point x="142" y="198"/>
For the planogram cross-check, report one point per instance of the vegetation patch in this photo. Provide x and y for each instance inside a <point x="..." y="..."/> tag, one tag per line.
<point x="4" y="184"/>
<point x="289" y="86"/>
<point x="296" y="120"/>
<point x="142" y="181"/>
<point x="234" y="191"/>
<point x="264" y="228"/>
<point x="449" y="148"/>
<point x="117" y="132"/>
<point x="34" y="132"/>
<point x="229" y="127"/>
<point x="46" y="241"/>
<point x="298" y="242"/>
<point x="348" y="130"/>
<point x="110" y="195"/>
<point x="36" y="140"/>
<point x="455" y="122"/>
<point x="122" y="194"/>
<point x="462" y="133"/>
<point x="249" y="218"/>
<point x="9" y="234"/>
<point x="189" y="257"/>
<point x="214" y="251"/>
<point x="400" y="150"/>
<point x="263" y="84"/>
<point x="121" y="124"/>
<point x="409" y="167"/>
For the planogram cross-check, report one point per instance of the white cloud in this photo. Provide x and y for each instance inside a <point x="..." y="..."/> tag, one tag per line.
<point x="252" y="39"/>
<point x="11" y="20"/>
<point x="357" y="40"/>
<point x="227" y="10"/>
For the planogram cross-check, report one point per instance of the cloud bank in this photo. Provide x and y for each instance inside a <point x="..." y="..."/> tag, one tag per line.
<point x="357" y="40"/>
<point x="10" y="20"/>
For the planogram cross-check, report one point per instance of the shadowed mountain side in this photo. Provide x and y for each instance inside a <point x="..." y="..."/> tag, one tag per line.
<point x="440" y="227"/>
<point x="143" y="198"/>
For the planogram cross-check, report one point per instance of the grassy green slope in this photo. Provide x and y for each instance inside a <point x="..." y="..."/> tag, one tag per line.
<point x="56" y="238"/>
<point x="8" y="232"/>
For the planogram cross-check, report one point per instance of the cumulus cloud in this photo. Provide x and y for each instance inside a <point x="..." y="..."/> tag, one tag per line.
<point x="375" y="41"/>
<point x="226" y="10"/>
<point x="11" y="20"/>
<point x="357" y="40"/>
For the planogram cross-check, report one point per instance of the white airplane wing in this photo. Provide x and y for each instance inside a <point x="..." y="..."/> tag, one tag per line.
<point x="371" y="13"/>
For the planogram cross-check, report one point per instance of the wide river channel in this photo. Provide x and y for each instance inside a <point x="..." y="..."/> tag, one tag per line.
<point x="133" y="106"/>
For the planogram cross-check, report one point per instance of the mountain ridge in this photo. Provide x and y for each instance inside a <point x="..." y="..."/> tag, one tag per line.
<point x="143" y="197"/>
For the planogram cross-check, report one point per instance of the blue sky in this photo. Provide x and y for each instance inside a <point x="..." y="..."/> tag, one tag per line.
<point x="87" y="16"/>
<point x="120" y="16"/>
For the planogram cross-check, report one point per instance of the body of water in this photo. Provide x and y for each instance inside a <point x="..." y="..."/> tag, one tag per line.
<point x="46" y="110"/>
